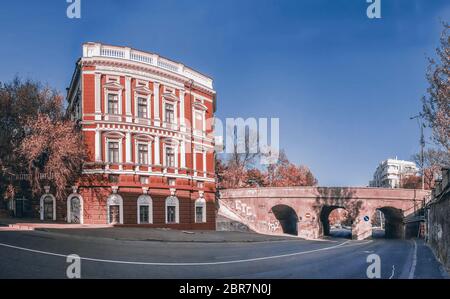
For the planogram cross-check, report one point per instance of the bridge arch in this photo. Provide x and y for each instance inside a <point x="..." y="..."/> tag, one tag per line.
<point x="392" y="224"/>
<point x="325" y="219"/>
<point x="287" y="217"/>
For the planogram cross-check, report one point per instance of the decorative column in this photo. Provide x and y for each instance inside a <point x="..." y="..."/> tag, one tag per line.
<point x="128" y="147"/>
<point x="194" y="161"/>
<point x="98" y="95"/>
<point x="156" y="105"/>
<point x="183" y="154"/>
<point x="157" y="158"/>
<point x="182" y="117"/>
<point x="98" y="146"/>
<point x="128" y="99"/>
<point x="204" y="162"/>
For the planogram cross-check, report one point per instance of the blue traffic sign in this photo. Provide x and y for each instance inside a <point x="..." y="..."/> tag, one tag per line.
<point x="366" y="218"/>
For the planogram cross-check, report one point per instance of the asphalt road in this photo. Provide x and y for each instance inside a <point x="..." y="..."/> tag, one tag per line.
<point x="34" y="254"/>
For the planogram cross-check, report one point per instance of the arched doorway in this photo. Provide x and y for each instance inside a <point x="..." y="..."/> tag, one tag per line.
<point x="387" y="222"/>
<point x="48" y="207"/>
<point x="75" y="209"/>
<point x="336" y="222"/>
<point x="287" y="217"/>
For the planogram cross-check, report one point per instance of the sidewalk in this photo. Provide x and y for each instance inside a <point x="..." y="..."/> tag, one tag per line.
<point x="136" y="233"/>
<point x="34" y="224"/>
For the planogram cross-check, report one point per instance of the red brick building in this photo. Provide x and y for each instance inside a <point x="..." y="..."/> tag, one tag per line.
<point x="147" y="124"/>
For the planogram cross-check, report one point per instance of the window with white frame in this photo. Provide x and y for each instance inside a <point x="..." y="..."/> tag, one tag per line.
<point x="172" y="210"/>
<point x="142" y="153"/>
<point x="143" y="180"/>
<point x="113" y="103"/>
<point x="200" y="210"/>
<point x="113" y="152"/>
<point x="199" y="120"/>
<point x="145" y="209"/>
<point x="170" y="157"/>
<point x="169" y="113"/>
<point x="142" y="107"/>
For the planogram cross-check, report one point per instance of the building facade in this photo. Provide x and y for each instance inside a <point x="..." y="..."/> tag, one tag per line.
<point x="147" y="124"/>
<point x="390" y="173"/>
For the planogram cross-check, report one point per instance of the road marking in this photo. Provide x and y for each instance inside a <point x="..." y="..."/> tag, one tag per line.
<point x="188" y="264"/>
<point x="414" y="262"/>
<point x="393" y="272"/>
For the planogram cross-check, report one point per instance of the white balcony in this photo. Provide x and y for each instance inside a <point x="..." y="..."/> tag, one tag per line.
<point x="125" y="53"/>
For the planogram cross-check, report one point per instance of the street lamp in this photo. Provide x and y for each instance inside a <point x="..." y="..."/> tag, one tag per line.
<point x="419" y="118"/>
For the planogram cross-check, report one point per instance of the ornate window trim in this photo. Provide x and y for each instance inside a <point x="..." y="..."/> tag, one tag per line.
<point x="145" y="200"/>
<point x="69" y="213"/>
<point x="41" y="205"/>
<point x="174" y="202"/>
<point x="200" y="202"/>
<point x="114" y="200"/>
<point x="115" y="88"/>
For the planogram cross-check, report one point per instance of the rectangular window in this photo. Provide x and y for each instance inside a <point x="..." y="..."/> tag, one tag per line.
<point x="199" y="121"/>
<point x="170" y="115"/>
<point x="143" y="154"/>
<point x="113" y="104"/>
<point x="200" y="185"/>
<point x="143" y="180"/>
<point x="171" y="210"/>
<point x="113" y="152"/>
<point x="144" y="214"/>
<point x="142" y="108"/>
<point x="199" y="214"/>
<point x="113" y="178"/>
<point x="170" y="157"/>
<point x="171" y="182"/>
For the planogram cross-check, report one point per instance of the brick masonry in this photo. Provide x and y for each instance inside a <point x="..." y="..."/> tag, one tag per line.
<point x="273" y="210"/>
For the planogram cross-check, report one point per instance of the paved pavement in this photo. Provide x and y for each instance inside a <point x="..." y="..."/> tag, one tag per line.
<point x="38" y="254"/>
<point x="136" y="233"/>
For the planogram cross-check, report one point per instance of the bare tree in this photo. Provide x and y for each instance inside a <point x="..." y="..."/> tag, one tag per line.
<point x="436" y="104"/>
<point x="34" y="138"/>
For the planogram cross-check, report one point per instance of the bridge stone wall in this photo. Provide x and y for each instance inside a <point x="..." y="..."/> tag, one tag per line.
<point x="278" y="210"/>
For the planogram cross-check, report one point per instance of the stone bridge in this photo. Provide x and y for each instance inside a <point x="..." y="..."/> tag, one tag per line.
<point x="304" y="211"/>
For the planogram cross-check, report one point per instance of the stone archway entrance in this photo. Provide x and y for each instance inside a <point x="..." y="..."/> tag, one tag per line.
<point x="287" y="217"/>
<point x="336" y="222"/>
<point x="390" y="224"/>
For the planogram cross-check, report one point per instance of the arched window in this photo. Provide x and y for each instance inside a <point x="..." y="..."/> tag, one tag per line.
<point x="200" y="210"/>
<point x="172" y="210"/>
<point x="144" y="209"/>
<point x="48" y="207"/>
<point x="75" y="209"/>
<point x="115" y="209"/>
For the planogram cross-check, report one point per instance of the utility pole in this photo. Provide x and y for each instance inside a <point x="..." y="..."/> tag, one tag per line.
<point x="422" y="146"/>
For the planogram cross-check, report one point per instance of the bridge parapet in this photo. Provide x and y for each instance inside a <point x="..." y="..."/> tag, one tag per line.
<point x="304" y="211"/>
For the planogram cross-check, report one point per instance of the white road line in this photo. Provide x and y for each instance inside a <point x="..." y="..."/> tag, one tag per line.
<point x="187" y="264"/>
<point x="393" y="272"/>
<point x="414" y="262"/>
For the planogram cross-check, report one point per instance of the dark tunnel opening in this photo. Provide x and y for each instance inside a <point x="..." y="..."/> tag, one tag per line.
<point x="287" y="217"/>
<point x="388" y="223"/>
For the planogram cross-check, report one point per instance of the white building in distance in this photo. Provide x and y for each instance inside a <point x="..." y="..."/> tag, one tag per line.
<point x="390" y="173"/>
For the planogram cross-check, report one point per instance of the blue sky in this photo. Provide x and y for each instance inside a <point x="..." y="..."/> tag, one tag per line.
<point x="343" y="86"/>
